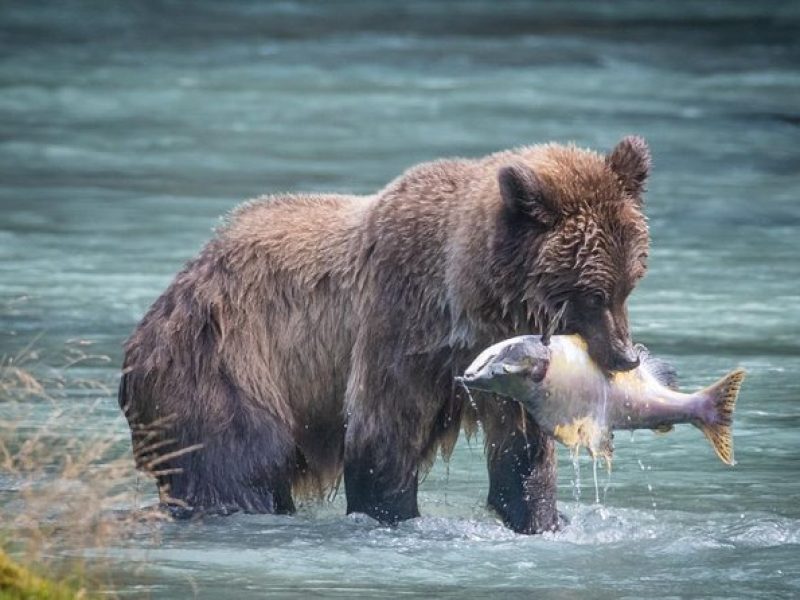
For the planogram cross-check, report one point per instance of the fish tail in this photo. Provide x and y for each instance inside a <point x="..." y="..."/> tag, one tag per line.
<point x="718" y="429"/>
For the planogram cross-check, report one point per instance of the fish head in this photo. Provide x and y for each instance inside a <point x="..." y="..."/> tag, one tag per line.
<point x="514" y="368"/>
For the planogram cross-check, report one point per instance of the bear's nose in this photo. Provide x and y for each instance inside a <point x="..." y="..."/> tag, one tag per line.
<point x="625" y="362"/>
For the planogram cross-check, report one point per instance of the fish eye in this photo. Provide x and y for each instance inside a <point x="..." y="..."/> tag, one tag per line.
<point x="521" y="365"/>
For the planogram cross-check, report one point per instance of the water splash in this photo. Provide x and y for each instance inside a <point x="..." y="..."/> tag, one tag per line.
<point x="606" y="484"/>
<point x="469" y="395"/>
<point x="592" y="525"/>
<point x="646" y="470"/>
<point x="608" y="479"/>
<point x="576" y="467"/>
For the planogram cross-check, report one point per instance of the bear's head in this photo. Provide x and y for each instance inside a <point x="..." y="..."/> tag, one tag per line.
<point x="580" y="241"/>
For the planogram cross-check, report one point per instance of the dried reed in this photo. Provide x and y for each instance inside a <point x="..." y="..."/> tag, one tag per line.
<point x="66" y="499"/>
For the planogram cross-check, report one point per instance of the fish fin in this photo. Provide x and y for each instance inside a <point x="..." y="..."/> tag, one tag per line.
<point x="723" y="396"/>
<point x="664" y="372"/>
<point x="662" y="429"/>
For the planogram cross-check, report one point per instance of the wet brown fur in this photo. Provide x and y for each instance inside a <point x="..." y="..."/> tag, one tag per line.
<point x="314" y="330"/>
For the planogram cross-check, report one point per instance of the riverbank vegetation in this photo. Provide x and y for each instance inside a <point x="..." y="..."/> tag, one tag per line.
<point x="20" y="583"/>
<point x="68" y="491"/>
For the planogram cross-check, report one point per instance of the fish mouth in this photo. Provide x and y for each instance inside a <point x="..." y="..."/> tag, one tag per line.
<point x="477" y="381"/>
<point x="481" y="374"/>
<point x="482" y="368"/>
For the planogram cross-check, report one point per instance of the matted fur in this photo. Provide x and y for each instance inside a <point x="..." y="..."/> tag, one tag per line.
<point x="316" y="328"/>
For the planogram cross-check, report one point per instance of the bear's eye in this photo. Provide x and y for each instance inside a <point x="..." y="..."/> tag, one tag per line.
<point x="596" y="300"/>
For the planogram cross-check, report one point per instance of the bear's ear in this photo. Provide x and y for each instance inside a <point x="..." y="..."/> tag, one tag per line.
<point x="630" y="161"/>
<point x="523" y="194"/>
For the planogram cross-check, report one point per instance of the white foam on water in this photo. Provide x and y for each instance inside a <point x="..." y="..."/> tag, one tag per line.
<point x="598" y="524"/>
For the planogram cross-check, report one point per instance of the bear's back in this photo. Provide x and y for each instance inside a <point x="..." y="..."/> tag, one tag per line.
<point x="309" y="235"/>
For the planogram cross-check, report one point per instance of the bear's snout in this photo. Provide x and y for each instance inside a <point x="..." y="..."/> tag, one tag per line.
<point x="624" y="361"/>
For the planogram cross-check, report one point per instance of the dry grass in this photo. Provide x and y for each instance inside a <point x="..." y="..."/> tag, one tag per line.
<point x="71" y="497"/>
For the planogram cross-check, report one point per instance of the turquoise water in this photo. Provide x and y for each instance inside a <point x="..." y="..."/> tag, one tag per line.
<point x="127" y="130"/>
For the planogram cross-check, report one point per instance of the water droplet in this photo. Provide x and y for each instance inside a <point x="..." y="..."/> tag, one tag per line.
<point x="576" y="483"/>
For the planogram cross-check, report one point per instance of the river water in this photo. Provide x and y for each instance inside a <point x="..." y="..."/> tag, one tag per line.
<point x="128" y="129"/>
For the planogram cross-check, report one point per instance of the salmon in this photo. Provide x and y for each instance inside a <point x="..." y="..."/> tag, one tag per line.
<point x="580" y="405"/>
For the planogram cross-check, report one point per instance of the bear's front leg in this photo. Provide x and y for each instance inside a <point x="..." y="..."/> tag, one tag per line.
<point x="375" y="484"/>
<point x="392" y="403"/>
<point x="522" y="469"/>
<point x="390" y="409"/>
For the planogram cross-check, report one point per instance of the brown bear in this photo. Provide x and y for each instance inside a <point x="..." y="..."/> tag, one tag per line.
<point x="318" y="335"/>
